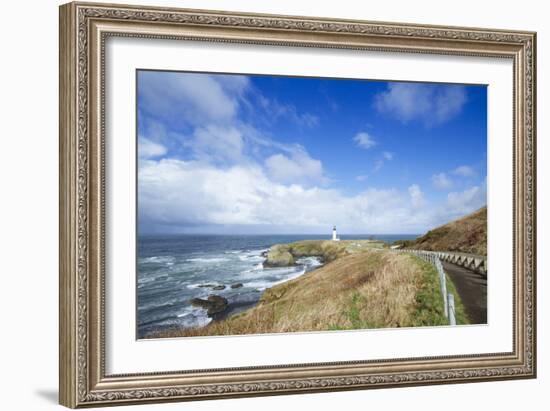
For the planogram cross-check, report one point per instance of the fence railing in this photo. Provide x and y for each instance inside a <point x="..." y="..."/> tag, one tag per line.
<point x="475" y="263"/>
<point x="448" y="298"/>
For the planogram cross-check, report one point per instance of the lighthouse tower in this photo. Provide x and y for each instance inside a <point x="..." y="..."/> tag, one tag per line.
<point x="334" y="235"/>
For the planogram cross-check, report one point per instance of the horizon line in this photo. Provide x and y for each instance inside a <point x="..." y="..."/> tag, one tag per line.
<point x="303" y="234"/>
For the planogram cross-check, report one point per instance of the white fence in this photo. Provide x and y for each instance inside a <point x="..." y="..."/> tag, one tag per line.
<point x="448" y="298"/>
<point x="475" y="263"/>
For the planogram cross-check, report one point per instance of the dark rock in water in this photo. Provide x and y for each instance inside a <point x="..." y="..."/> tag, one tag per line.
<point x="214" y="304"/>
<point x="199" y="302"/>
<point x="237" y="285"/>
<point x="264" y="254"/>
<point x="217" y="304"/>
<point x="212" y="286"/>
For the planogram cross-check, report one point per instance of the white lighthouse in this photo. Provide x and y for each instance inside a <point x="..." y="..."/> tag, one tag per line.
<point x="334" y="235"/>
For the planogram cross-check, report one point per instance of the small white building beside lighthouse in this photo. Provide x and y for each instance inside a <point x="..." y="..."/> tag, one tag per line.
<point x="334" y="235"/>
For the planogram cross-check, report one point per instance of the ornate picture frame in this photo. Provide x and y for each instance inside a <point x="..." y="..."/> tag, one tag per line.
<point x="84" y="29"/>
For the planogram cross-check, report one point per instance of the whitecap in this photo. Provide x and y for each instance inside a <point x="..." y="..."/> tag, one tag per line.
<point x="259" y="266"/>
<point x="147" y="278"/>
<point x="251" y="258"/>
<point x="262" y="285"/>
<point x="259" y="285"/>
<point x="259" y="270"/>
<point x="193" y="317"/>
<point x="144" y="280"/>
<point x="310" y="262"/>
<point x="161" y="259"/>
<point x="208" y="260"/>
<point x="258" y="252"/>
<point x="203" y="285"/>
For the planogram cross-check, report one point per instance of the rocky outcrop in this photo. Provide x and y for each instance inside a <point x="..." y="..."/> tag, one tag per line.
<point x="279" y="256"/>
<point x="213" y="305"/>
<point x="237" y="285"/>
<point x="284" y="255"/>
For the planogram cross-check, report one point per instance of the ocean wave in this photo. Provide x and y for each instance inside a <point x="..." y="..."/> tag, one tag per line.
<point x="310" y="262"/>
<point x="258" y="285"/>
<point x="142" y="280"/>
<point x="259" y="271"/>
<point x="208" y="260"/>
<point x="251" y="257"/>
<point x="186" y="318"/>
<point x="262" y="285"/>
<point x="206" y="285"/>
<point x="161" y="259"/>
<point x="259" y="251"/>
<point x="193" y="317"/>
<point x="164" y="292"/>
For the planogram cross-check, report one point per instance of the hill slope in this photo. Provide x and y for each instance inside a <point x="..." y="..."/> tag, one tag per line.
<point x="357" y="290"/>
<point x="467" y="235"/>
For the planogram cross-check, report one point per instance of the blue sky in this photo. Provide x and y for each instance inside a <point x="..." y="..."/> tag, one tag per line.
<point x="265" y="154"/>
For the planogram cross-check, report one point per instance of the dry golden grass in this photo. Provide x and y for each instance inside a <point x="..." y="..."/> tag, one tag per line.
<point x="367" y="289"/>
<point x="467" y="235"/>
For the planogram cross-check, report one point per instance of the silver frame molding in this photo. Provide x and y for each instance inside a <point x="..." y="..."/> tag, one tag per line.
<point x="84" y="27"/>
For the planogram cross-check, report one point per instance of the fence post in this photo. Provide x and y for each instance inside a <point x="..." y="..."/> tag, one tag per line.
<point x="452" y="317"/>
<point x="448" y="298"/>
<point x="443" y="283"/>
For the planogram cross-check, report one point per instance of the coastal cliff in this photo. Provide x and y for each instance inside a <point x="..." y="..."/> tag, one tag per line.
<point x="284" y="255"/>
<point x="361" y="285"/>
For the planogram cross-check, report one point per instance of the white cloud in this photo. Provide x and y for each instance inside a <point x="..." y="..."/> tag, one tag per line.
<point x="149" y="149"/>
<point x="275" y="110"/>
<point x="179" y="195"/>
<point x="416" y="195"/>
<point x="361" y="177"/>
<point x="309" y="120"/>
<point x="217" y="143"/>
<point x="464" y="202"/>
<point x="448" y="103"/>
<point x="205" y="109"/>
<point x="364" y="140"/>
<point x="298" y="167"/>
<point x="378" y="164"/>
<point x="464" y="171"/>
<point x="441" y="181"/>
<point x="431" y="104"/>
<point x="194" y="98"/>
<point x="175" y="192"/>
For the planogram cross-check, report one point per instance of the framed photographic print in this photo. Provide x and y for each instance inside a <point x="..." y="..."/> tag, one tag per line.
<point x="258" y="204"/>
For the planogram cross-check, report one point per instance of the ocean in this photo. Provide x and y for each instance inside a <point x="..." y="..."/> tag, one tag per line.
<point x="173" y="269"/>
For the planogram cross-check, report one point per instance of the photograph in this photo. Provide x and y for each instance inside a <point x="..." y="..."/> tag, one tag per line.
<point x="284" y="204"/>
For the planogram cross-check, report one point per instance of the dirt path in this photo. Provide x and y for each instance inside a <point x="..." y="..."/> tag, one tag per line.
<point x="472" y="288"/>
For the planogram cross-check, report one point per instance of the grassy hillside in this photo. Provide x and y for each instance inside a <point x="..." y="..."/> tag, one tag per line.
<point x="360" y="288"/>
<point x="467" y="235"/>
